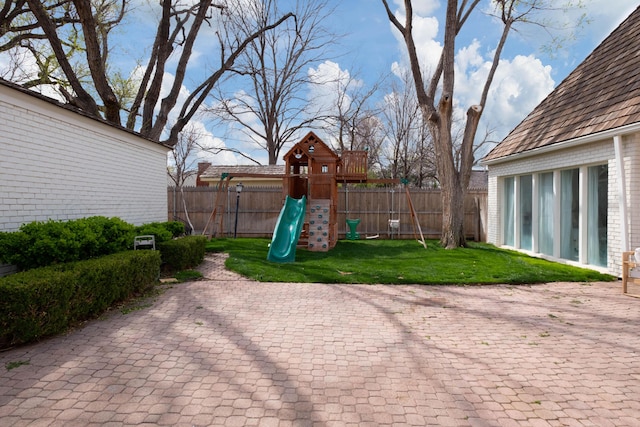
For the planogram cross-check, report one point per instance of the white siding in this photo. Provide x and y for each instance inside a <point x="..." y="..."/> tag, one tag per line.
<point x="58" y="164"/>
<point x="583" y="155"/>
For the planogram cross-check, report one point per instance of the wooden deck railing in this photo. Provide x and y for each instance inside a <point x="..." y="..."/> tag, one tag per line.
<point x="353" y="167"/>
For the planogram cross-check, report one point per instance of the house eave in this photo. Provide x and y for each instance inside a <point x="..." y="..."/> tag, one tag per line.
<point x="587" y="139"/>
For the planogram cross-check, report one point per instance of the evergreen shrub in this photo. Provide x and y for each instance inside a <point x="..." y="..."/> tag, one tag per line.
<point x="163" y="231"/>
<point x="183" y="253"/>
<point x="38" y="244"/>
<point x="47" y="301"/>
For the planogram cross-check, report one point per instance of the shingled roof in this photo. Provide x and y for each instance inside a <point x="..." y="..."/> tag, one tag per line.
<point x="216" y="171"/>
<point x="601" y="94"/>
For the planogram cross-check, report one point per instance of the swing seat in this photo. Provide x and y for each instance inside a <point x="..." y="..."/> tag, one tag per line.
<point x="394" y="228"/>
<point x="352" y="234"/>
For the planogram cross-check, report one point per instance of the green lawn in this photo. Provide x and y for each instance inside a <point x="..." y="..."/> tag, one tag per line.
<point x="397" y="262"/>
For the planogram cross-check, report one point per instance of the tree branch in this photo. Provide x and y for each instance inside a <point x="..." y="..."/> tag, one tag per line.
<point x="160" y="53"/>
<point x="170" y="100"/>
<point x="197" y="97"/>
<point x="96" y="61"/>
<point x="82" y="99"/>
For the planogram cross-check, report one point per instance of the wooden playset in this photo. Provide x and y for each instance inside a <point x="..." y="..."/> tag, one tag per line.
<point x="314" y="170"/>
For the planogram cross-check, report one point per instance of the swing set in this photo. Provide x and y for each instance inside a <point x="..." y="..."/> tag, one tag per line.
<point x="393" y="220"/>
<point x="313" y="171"/>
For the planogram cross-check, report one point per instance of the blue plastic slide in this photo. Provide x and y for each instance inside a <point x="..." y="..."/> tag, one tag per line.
<point x="287" y="232"/>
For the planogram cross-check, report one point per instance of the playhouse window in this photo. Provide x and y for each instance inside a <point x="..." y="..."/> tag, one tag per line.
<point x="325" y="168"/>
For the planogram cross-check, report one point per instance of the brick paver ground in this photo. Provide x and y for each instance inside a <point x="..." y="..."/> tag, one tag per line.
<point x="232" y="352"/>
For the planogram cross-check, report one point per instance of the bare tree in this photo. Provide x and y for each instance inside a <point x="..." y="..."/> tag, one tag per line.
<point x="401" y="118"/>
<point x="353" y="115"/>
<point x="179" y="26"/>
<point x="409" y="147"/>
<point x="25" y="41"/>
<point x="350" y="109"/>
<point x="438" y="114"/>
<point x="182" y="158"/>
<point x="182" y="165"/>
<point x="424" y="172"/>
<point x="369" y="135"/>
<point x="271" y="108"/>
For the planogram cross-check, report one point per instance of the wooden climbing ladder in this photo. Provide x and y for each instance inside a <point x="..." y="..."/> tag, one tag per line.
<point x="219" y="205"/>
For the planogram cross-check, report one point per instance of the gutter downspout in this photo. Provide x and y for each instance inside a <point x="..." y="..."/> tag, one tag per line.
<point x="622" y="192"/>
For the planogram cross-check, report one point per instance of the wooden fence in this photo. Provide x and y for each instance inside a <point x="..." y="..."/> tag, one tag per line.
<point x="258" y="209"/>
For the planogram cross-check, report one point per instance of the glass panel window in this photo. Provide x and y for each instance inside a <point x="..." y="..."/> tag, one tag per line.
<point x="526" y="212"/>
<point x="508" y="217"/>
<point x="597" y="208"/>
<point x="545" y="214"/>
<point x="569" y="214"/>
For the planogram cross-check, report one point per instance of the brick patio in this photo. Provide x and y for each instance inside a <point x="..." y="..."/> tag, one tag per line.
<point x="232" y="352"/>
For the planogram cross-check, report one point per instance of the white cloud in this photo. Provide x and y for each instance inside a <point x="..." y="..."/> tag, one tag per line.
<point x="520" y="83"/>
<point x="429" y="49"/>
<point x="213" y="148"/>
<point x="328" y="81"/>
<point x="424" y="7"/>
<point x="469" y="57"/>
<point x="331" y="86"/>
<point x="519" y="86"/>
<point x="425" y="33"/>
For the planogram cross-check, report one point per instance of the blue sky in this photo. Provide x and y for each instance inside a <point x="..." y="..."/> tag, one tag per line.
<point x="371" y="48"/>
<point x="374" y="44"/>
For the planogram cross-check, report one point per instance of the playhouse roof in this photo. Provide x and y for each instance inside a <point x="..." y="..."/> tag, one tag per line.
<point x="320" y="149"/>
<point x="601" y="94"/>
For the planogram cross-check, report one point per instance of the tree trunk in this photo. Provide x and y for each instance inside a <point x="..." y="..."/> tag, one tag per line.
<point x="186" y="212"/>
<point x="452" y="213"/>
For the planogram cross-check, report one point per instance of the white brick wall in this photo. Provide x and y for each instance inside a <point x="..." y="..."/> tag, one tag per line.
<point x="584" y="155"/>
<point x="493" y="206"/>
<point x="58" y="164"/>
<point x="632" y="165"/>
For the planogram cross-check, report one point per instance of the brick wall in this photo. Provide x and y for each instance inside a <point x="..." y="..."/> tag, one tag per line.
<point x="58" y="164"/>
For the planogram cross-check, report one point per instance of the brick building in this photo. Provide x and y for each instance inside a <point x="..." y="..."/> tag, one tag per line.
<point x="57" y="163"/>
<point x="565" y="183"/>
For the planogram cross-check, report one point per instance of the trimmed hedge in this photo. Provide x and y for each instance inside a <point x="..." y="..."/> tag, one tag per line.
<point x="47" y="301"/>
<point x="38" y="244"/>
<point x="163" y="231"/>
<point x="42" y="243"/>
<point x="183" y="253"/>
